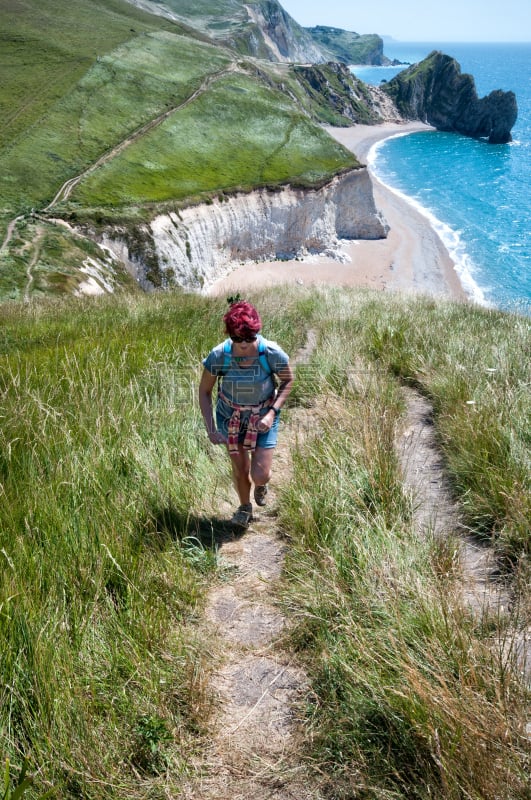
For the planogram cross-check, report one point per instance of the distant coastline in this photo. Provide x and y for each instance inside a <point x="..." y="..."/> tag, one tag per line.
<point x="476" y="196"/>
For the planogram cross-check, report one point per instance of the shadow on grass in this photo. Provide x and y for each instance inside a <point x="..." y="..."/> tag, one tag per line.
<point x="170" y="524"/>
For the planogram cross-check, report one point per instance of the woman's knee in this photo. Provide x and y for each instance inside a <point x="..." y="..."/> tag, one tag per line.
<point x="261" y="467"/>
<point x="240" y="464"/>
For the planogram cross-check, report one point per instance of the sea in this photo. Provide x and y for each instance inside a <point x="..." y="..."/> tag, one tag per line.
<point x="476" y="195"/>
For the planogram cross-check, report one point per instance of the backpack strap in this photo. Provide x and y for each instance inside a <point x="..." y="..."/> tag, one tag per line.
<point x="262" y="356"/>
<point x="227" y="354"/>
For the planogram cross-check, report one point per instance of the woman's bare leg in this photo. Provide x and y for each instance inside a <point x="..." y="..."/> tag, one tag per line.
<point x="241" y="465"/>
<point x="256" y="469"/>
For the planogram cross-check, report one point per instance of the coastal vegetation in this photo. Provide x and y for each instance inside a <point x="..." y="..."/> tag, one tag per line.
<point x="110" y="518"/>
<point x="337" y="96"/>
<point x="260" y="140"/>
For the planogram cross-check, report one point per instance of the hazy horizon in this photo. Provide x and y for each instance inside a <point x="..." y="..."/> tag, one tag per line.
<point x="477" y="21"/>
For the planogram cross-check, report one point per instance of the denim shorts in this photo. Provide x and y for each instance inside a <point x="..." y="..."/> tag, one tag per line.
<point x="267" y="440"/>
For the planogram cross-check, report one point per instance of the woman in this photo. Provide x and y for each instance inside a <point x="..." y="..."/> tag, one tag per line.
<point x="248" y="402"/>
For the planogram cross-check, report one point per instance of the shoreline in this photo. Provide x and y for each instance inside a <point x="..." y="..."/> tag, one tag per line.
<point x="412" y="259"/>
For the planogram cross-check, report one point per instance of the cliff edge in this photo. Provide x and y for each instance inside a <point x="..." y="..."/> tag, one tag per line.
<point x="194" y="246"/>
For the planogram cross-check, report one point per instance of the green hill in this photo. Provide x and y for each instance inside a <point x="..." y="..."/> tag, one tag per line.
<point x="149" y="111"/>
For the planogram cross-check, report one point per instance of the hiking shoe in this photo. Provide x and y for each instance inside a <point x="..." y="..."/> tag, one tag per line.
<point x="260" y="495"/>
<point x="242" y="517"/>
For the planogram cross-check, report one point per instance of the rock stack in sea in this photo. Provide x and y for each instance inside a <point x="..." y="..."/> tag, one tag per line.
<point x="435" y="91"/>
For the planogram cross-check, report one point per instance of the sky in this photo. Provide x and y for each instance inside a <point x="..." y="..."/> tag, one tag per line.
<point x="421" y="20"/>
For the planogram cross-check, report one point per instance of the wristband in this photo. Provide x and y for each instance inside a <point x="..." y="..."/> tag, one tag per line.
<point x="276" y="411"/>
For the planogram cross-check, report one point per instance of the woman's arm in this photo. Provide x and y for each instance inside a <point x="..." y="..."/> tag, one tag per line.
<point x="286" y="382"/>
<point x="206" y="386"/>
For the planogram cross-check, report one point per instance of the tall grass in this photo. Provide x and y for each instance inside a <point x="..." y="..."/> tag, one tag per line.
<point x="109" y="530"/>
<point x="108" y="537"/>
<point x="411" y="697"/>
<point x="101" y="471"/>
<point x="473" y="364"/>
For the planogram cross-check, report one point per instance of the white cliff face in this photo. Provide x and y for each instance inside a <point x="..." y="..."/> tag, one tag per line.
<point x="198" y="245"/>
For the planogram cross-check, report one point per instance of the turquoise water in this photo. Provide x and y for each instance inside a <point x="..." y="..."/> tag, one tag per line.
<point x="477" y="196"/>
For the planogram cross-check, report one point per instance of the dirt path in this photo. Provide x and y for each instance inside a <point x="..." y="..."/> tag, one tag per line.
<point x="434" y="508"/>
<point x="253" y="751"/>
<point x="435" y="511"/>
<point x="9" y="232"/>
<point x="36" y="245"/>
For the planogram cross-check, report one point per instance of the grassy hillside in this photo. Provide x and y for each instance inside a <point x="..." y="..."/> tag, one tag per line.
<point x="148" y="110"/>
<point x="110" y="513"/>
<point x="123" y="90"/>
<point x="256" y="139"/>
<point x="48" y="46"/>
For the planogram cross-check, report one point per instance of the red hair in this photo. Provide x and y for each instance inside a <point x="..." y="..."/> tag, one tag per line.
<point x="242" y="319"/>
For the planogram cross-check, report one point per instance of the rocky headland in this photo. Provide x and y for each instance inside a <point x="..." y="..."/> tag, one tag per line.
<point x="437" y="92"/>
<point x="348" y="47"/>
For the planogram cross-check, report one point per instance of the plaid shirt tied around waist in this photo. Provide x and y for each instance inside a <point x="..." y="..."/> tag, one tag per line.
<point x="233" y="429"/>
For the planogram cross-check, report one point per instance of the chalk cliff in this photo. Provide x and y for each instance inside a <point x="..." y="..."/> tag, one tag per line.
<point x="261" y="28"/>
<point x="193" y="247"/>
